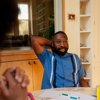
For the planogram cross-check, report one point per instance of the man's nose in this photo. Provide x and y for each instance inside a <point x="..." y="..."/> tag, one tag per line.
<point x="62" y="44"/>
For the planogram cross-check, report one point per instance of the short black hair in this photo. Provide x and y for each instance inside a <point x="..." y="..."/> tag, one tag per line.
<point x="9" y="14"/>
<point x="59" y="32"/>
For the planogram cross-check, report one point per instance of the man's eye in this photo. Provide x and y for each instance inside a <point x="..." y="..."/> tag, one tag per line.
<point x="58" y="41"/>
<point x="65" y="41"/>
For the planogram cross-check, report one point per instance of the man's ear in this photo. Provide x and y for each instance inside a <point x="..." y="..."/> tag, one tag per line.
<point x="52" y="47"/>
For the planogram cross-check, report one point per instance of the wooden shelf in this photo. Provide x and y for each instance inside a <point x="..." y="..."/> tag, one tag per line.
<point x="84" y="0"/>
<point x="85" y="48"/>
<point x="40" y="16"/>
<point x="84" y="31"/>
<point x="83" y="16"/>
<point x="41" y="10"/>
<point x="42" y="29"/>
<point x="41" y="23"/>
<point x="86" y="78"/>
<point x="43" y="15"/>
<point x="85" y="63"/>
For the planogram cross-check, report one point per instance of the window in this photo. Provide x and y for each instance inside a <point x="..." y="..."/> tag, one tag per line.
<point x="23" y="19"/>
<point x="19" y="37"/>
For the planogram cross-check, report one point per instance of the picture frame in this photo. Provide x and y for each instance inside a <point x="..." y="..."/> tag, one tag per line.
<point x="71" y="16"/>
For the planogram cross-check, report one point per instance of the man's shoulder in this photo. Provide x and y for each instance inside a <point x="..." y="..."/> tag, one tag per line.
<point x="46" y="52"/>
<point x="49" y="51"/>
<point x="45" y="56"/>
<point x="74" y="55"/>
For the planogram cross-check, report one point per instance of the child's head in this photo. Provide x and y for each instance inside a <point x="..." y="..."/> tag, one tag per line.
<point x="8" y="15"/>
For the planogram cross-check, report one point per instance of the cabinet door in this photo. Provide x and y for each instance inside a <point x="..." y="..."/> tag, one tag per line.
<point x="25" y="65"/>
<point x="97" y="74"/>
<point x="96" y="30"/>
<point x="96" y="27"/>
<point x="37" y="74"/>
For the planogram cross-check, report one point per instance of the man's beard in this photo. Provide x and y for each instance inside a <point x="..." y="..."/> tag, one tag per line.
<point x="57" y="51"/>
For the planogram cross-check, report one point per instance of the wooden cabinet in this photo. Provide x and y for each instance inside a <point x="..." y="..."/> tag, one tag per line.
<point x="26" y="61"/>
<point x="23" y="65"/>
<point x="37" y="74"/>
<point x="96" y="37"/>
<point x="97" y="74"/>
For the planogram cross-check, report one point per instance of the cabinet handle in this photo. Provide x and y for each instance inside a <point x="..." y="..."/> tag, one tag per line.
<point x="34" y="62"/>
<point x="29" y="63"/>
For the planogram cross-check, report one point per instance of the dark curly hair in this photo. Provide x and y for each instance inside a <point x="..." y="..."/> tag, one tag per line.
<point x="8" y="15"/>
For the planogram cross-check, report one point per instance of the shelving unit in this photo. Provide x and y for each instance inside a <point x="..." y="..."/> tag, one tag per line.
<point x="85" y="35"/>
<point x="43" y="12"/>
<point x="82" y="16"/>
<point x="85" y="48"/>
<point x="84" y="31"/>
<point x="85" y="63"/>
<point x="87" y="78"/>
<point x="84" y="0"/>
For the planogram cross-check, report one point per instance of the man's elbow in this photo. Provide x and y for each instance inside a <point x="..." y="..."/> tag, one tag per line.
<point x="33" y="40"/>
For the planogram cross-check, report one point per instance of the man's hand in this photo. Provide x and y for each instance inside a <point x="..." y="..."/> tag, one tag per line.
<point x="14" y="91"/>
<point x="83" y="83"/>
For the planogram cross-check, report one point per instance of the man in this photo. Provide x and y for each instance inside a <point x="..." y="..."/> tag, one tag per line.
<point x="61" y="69"/>
<point x="15" y="86"/>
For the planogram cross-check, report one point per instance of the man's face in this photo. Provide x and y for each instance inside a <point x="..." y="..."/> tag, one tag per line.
<point x="60" y="44"/>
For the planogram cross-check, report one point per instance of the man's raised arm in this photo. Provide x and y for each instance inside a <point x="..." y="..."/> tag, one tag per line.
<point x="38" y="43"/>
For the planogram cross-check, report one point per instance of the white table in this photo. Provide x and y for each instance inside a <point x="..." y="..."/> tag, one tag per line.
<point x="84" y="90"/>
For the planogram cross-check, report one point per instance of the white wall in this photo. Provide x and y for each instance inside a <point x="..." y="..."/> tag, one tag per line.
<point x="72" y="25"/>
<point x="58" y="15"/>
